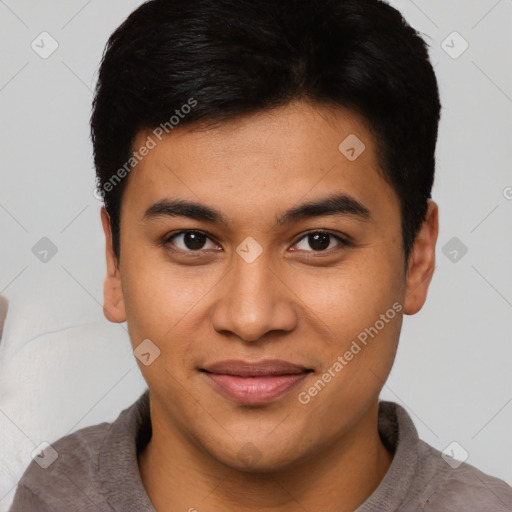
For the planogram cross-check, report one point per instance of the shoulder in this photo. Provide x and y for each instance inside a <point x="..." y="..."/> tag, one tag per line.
<point x="90" y="469"/>
<point x="421" y="478"/>
<point x="460" y="486"/>
<point x="63" y="472"/>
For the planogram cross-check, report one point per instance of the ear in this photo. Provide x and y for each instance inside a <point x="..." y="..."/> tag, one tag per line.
<point x="113" y="301"/>
<point x="422" y="261"/>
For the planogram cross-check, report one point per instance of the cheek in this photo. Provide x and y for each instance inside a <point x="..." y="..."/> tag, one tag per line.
<point x="160" y="309"/>
<point x="360" y="303"/>
<point x="169" y="305"/>
<point x="352" y="296"/>
<point x="157" y="296"/>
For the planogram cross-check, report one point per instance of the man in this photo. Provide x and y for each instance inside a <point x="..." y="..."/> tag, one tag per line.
<point x="266" y="168"/>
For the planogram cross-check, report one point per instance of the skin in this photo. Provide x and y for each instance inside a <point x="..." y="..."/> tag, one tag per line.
<point x="294" y="302"/>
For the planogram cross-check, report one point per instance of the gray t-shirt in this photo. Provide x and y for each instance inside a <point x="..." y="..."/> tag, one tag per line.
<point x="97" y="470"/>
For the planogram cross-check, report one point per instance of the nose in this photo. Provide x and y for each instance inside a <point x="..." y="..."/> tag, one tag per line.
<point x="254" y="301"/>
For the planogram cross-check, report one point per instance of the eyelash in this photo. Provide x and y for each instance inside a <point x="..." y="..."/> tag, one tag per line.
<point x="343" y="242"/>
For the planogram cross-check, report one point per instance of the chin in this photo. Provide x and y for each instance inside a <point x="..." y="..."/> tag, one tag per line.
<point x="253" y="459"/>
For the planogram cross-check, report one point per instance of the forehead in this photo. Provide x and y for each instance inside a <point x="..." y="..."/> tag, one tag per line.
<point x="257" y="163"/>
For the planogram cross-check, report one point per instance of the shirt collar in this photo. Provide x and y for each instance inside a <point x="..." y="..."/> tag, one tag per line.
<point x="123" y="487"/>
<point x="118" y="462"/>
<point x="398" y="434"/>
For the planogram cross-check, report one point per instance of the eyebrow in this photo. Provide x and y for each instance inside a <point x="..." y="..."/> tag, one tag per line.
<point x="339" y="204"/>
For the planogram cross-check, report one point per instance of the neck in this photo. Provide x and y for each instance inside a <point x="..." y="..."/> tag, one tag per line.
<point x="178" y="475"/>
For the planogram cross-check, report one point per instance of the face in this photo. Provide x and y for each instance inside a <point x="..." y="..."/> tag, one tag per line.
<point x="291" y="251"/>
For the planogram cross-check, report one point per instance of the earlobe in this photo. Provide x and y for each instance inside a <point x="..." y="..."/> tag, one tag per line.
<point x="422" y="262"/>
<point x="113" y="300"/>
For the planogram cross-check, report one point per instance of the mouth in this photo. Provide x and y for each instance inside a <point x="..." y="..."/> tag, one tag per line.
<point x="256" y="383"/>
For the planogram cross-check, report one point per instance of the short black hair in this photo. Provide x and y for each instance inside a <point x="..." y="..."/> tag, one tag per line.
<point x="223" y="59"/>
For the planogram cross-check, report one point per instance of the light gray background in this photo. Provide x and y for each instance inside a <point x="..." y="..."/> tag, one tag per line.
<point x="63" y="366"/>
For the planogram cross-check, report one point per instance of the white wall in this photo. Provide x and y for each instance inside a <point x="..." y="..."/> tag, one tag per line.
<point x="453" y="366"/>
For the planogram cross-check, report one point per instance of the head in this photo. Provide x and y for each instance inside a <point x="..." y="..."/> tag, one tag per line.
<point x="295" y="142"/>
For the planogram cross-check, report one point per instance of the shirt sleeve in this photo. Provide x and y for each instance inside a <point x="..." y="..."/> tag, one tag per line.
<point x="26" y="500"/>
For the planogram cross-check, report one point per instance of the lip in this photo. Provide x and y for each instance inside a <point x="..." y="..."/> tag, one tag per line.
<point x="265" y="368"/>
<point x="255" y="383"/>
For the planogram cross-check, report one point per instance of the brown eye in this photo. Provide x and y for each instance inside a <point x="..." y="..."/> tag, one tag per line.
<point x="191" y="241"/>
<point x="319" y="241"/>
